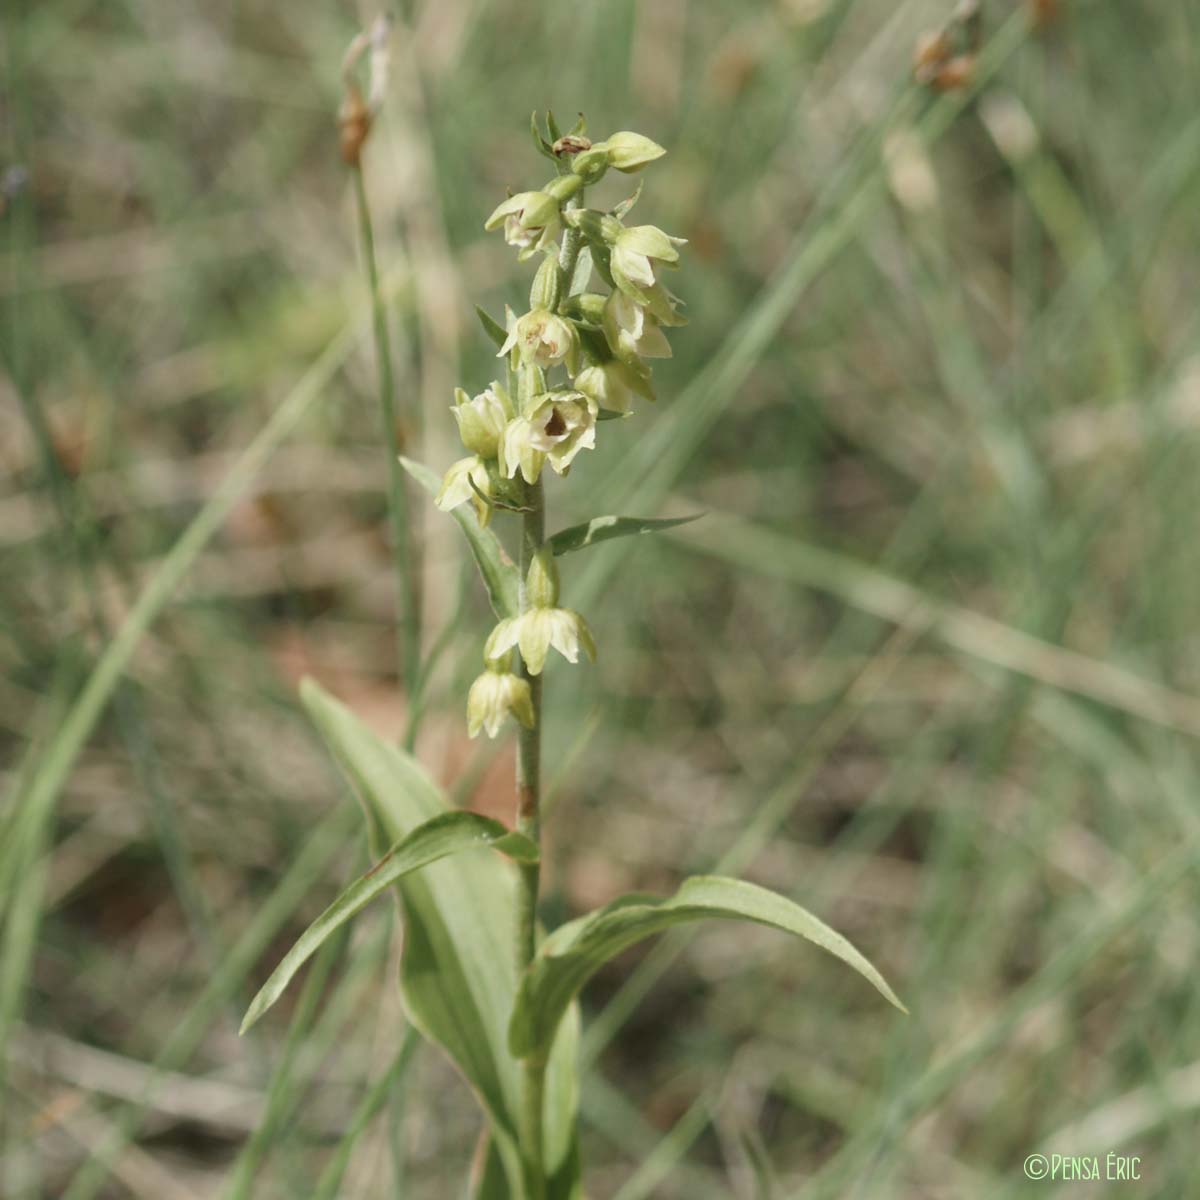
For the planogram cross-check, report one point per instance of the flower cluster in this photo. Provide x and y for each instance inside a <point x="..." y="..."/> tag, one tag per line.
<point x="600" y="342"/>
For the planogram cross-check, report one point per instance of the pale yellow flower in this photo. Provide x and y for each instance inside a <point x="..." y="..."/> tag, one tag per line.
<point x="531" y="222"/>
<point x="537" y="630"/>
<point x="557" y="426"/>
<point x="496" y="694"/>
<point x="543" y="338"/>
<point x="457" y="487"/>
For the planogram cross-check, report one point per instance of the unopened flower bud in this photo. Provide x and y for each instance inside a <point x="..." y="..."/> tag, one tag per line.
<point x="591" y="165"/>
<point x="547" y="285"/>
<point x="595" y="226"/>
<point x="541" y="583"/>
<point x="587" y="306"/>
<point x="564" y="187"/>
<point x="481" y="420"/>
<point x="496" y="694"/>
<point x="629" y="152"/>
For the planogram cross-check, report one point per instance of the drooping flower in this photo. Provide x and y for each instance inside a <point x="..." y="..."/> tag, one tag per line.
<point x="535" y="631"/>
<point x="613" y="385"/>
<point x="457" y="487"/>
<point x="637" y="254"/>
<point x="632" y="331"/>
<point x="517" y="452"/>
<point x="496" y="694"/>
<point x="556" y="426"/>
<point x="543" y="338"/>
<point x="481" y="419"/>
<point x="531" y="222"/>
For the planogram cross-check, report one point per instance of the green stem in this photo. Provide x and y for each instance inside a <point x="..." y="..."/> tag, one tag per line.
<point x="529" y="797"/>
<point x="572" y="243"/>
<point x="405" y="553"/>
<point x="528" y="822"/>
<point x="529" y="743"/>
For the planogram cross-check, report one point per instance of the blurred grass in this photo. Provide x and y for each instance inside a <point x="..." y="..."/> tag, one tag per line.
<point x="930" y="665"/>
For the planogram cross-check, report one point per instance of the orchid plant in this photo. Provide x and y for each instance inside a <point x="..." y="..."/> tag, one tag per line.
<point x="480" y="978"/>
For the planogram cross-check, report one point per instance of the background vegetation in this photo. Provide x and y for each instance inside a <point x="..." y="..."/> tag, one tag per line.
<point x="928" y="666"/>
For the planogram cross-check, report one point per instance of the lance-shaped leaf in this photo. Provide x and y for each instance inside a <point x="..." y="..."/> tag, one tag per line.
<point x="492" y="327"/>
<point x="540" y="144"/>
<point x="437" y="838"/>
<point x="621" y="211"/>
<point x="497" y="569"/>
<point x="457" y="975"/>
<point x="570" y="955"/>
<point x="601" y="529"/>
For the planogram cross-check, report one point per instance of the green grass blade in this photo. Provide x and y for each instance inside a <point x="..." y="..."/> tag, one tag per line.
<point x="669" y="1153"/>
<point x="331" y="1178"/>
<point x="268" y="919"/>
<point x="758" y="548"/>
<point x="25" y="835"/>
<point x="55" y="766"/>
<point x="280" y="1092"/>
<point x="437" y="838"/>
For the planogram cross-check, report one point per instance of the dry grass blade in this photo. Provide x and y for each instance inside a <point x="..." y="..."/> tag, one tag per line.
<point x="982" y="637"/>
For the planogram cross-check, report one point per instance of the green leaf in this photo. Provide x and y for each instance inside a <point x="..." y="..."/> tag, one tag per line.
<point x="564" y="1183"/>
<point x="492" y="327"/>
<point x="560" y="1127"/>
<point x="488" y="1180"/>
<point x="437" y="838"/>
<point x="552" y="126"/>
<point x="540" y="144"/>
<point x="457" y="975"/>
<point x="601" y="529"/>
<point x="621" y="211"/>
<point x="570" y="955"/>
<point x="500" y="575"/>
